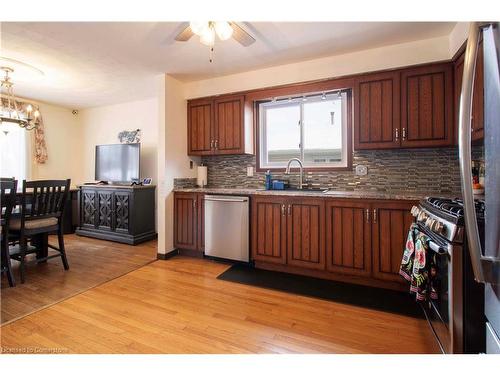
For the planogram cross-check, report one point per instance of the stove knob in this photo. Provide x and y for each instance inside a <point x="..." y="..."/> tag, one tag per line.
<point x="415" y="211"/>
<point x="438" y="227"/>
<point x="422" y="216"/>
<point x="429" y="223"/>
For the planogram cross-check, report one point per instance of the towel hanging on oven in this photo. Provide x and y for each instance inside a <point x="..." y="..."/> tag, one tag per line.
<point x="418" y="265"/>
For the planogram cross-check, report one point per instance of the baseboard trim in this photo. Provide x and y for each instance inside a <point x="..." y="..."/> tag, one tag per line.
<point x="167" y="255"/>
<point x="185" y="252"/>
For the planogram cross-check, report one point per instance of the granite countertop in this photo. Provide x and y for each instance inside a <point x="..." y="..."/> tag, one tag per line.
<point x="314" y="193"/>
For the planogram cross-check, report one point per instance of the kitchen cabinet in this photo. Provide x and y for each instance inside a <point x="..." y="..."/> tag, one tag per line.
<point x="220" y="126"/>
<point x="427" y="106"/>
<point x="305" y="232"/>
<point x="477" y="118"/>
<point x="200" y="127"/>
<point x="377" y="111"/>
<point x="390" y="224"/>
<point x="186" y="221"/>
<point x="348" y="237"/>
<point x="269" y="229"/>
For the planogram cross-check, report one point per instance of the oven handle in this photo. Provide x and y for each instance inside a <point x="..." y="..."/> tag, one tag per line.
<point x="486" y="269"/>
<point x="435" y="247"/>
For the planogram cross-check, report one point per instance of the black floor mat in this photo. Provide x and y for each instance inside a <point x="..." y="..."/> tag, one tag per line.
<point x="359" y="295"/>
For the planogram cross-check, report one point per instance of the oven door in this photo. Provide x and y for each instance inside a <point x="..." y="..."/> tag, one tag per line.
<point x="439" y="311"/>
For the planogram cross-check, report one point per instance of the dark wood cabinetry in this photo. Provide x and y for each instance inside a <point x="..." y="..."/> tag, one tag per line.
<point x="377" y="111"/>
<point x="117" y="213"/>
<point x="217" y="126"/>
<point x="390" y="224"/>
<point x="427" y="106"/>
<point x="305" y="232"/>
<point x="189" y="216"/>
<point x="477" y="120"/>
<point x="269" y="229"/>
<point x="348" y="236"/>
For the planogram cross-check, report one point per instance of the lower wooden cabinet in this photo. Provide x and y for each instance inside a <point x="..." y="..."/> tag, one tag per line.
<point x="348" y="238"/>
<point x="269" y="229"/>
<point x="390" y="225"/>
<point x="188" y="221"/>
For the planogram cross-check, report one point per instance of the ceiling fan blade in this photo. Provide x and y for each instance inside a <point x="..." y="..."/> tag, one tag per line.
<point x="184" y="35"/>
<point x="241" y="35"/>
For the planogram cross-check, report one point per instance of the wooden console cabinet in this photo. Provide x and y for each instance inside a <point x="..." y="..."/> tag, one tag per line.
<point x="117" y="213"/>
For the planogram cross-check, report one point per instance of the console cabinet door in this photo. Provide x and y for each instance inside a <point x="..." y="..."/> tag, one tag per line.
<point x="229" y="125"/>
<point x="200" y="127"/>
<point x="377" y="111"/>
<point x="305" y="233"/>
<point x="121" y="210"/>
<point x="390" y="225"/>
<point x="269" y="229"/>
<point x="348" y="237"/>
<point x="186" y="221"/>
<point x="88" y="208"/>
<point x="105" y="210"/>
<point x="427" y="106"/>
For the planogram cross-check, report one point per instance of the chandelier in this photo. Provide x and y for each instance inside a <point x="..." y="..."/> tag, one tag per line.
<point x="27" y="116"/>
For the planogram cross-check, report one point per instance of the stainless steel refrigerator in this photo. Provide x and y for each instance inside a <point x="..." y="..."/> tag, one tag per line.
<point x="484" y="250"/>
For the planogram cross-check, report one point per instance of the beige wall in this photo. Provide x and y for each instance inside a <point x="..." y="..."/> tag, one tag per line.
<point x="63" y="137"/>
<point x="101" y="125"/>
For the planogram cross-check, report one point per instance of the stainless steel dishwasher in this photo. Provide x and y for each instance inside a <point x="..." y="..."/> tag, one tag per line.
<point x="226" y="227"/>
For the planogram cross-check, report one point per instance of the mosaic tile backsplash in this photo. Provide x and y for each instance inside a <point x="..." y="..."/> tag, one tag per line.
<point x="423" y="171"/>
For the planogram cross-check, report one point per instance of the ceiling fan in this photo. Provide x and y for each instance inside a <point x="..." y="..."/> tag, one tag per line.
<point x="207" y="30"/>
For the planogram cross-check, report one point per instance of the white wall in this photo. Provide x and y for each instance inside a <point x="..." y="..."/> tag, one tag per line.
<point x="393" y="56"/>
<point x="63" y="137"/>
<point x="101" y="125"/>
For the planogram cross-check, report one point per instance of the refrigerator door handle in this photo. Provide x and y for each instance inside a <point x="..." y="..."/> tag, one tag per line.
<point x="486" y="269"/>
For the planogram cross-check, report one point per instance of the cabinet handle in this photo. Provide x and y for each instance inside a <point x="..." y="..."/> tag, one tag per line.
<point x="404" y="134"/>
<point x="367" y="215"/>
<point x="289" y="210"/>
<point x="397" y="135"/>
<point x="282" y="210"/>
<point x="216" y="144"/>
<point x="194" y="203"/>
<point x="374" y="215"/>
<point x="211" y="144"/>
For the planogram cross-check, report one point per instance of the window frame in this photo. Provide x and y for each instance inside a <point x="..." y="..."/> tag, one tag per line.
<point x="347" y="135"/>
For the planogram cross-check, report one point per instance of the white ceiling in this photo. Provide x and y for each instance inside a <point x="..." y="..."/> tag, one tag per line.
<point x="90" y="64"/>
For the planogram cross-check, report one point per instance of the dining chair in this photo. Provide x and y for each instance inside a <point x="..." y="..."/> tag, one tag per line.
<point x="8" y="190"/>
<point x="44" y="215"/>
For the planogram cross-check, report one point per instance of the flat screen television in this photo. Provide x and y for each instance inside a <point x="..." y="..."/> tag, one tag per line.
<point x="117" y="163"/>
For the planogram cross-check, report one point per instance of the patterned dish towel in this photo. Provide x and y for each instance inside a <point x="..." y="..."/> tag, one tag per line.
<point x="418" y="266"/>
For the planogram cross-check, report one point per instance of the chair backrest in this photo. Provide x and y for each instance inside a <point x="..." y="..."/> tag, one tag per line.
<point x="47" y="199"/>
<point x="8" y="190"/>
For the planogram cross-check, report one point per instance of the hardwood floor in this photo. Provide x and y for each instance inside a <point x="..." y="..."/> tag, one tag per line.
<point x="178" y="306"/>
<point x="91" y="262"/>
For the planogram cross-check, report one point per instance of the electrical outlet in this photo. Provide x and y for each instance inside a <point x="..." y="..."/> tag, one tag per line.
<point x="250" y="171"/>
<point x="361" y="170"/>
<point x="190" y="164"/>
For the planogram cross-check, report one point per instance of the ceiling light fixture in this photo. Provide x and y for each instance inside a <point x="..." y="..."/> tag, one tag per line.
<point x="207" y="31"/>
<point x="27" y="117"/>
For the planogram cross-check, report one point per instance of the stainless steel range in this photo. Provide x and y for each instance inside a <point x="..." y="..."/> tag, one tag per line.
<point x="457" y="315"/>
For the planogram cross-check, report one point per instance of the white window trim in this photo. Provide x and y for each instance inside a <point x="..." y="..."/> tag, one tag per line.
<point x="264" y="164"/>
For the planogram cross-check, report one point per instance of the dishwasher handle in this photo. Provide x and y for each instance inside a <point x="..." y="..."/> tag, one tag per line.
<point x="212" y="198"/>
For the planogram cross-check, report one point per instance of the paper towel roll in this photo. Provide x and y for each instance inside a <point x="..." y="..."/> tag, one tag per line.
<point x="201" y="180"/>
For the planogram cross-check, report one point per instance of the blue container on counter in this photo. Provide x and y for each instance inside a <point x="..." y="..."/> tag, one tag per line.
<point x="269" y="184"/>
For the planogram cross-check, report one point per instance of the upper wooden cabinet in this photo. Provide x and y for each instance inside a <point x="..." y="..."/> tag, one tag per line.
<point x="220" y="126"/>
<point x="377" y="111"/>
<point x="477" y="119"/>
<point x="427" y="106"/>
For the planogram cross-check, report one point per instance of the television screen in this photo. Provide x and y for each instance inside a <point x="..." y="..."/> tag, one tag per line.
<point x="117" y="163"/>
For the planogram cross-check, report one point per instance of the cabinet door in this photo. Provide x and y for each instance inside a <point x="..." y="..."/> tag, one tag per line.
<point x="88" y="208"/>
<point x="201" y="222"/>
<point x="427" y="106"/>
<point x="121" y="201"/>
<point x="377" y="111"/>
<point x="269" y="229"/>
<point x="477" y="118"/>
<point x="306" y="233"/>
<point x="185" y="221"/>
<point x="105" y="209"/>
<point x="200" y="128"/>
<point x="348" y="237"/>
<point x="229" y="125"/>
<point x="390" y="225"/>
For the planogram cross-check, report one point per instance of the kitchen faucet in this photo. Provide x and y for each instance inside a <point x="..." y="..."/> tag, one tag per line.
<point x="301" y="170"/>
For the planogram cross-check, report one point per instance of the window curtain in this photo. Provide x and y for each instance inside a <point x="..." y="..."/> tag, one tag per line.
<point x="40" y="147"/>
